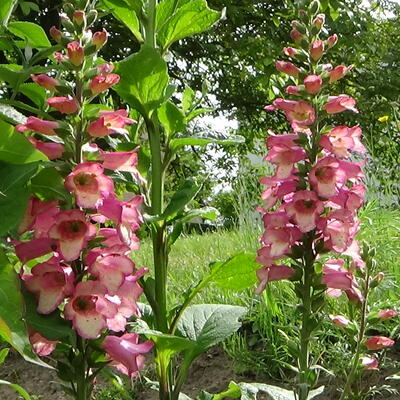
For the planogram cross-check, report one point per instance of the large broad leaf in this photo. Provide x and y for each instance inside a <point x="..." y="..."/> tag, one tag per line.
<point x="193" y="17"/>
<point x="12" y="326"/>
<point x="124" y="13"/>
<point x="166" y="9"/>
<point x="209" y="324"/>
<point x="34" y="92"/>
<point x="10" y="114"/>
<point x="6" y="8"/>
<point x="32" y="33"/>
<point x="172" y="118"/>
<point x="180" y="142"/>
<point x="237" y="273"/>
<point x="144" y="79"/>
<point x="48" y="185"/>
<point x="14" y="193"/>
<point x="15" y="148"/>
<point x="12" y="73"/>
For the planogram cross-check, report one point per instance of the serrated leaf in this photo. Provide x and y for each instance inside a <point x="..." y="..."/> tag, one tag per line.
<point x="32" y="33"/>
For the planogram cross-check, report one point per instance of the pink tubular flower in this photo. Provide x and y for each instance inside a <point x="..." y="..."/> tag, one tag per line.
<point x="66" y="105"/>
<point x="50" y="149"/>
<point x="116" y="245"/>
<point x="335" y="276"/>
<point x="51" y="283"/>
<point x="45" y="81"/>
<point x="319" y="20"/>
<point x="126" y="352"/>
<point x="89" y="184"/>
<point x="38" y="125"/>
<point x="296" y="36"/>
<point x="317" y="49"/>
<point x="72" y="231"/>
<point x="110" y="122"/>
<point x="300" y="112"/>
<point x="287" y="68"/>
<point x="111" y="270"/>
<point x="337" y="104"/>
<point x="272" y="273"/>
<point x="277" y="189"/>
<point x="42" y="346"/>
<point x="378" y="342"/>
<point x="313" y="84"/>
<point x="339" y="320"/>
<point x="79" y="17"/>
<point x="290" y="51"/>
<point x="35" y="248"/>
<point x="89" y="309"/>
<point x="120" y="161"/>
<point x="60" y="57"/>
<point x="99" y="39"/>
<point x="338" y="72"/>
<point x="56" y="34"/>
<point x="305" y="208"/>
<point x="104" y="69"/>
<point x="369" y="363"/>
<point x="100" y="83"/>
<point x="386" y="314"/>
<point x="75" y="53"/>
<point x="294" y="90"/>
<point x="332" y="40"/>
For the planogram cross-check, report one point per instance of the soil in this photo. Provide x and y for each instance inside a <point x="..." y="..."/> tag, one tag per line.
<point x="211" y="372"/>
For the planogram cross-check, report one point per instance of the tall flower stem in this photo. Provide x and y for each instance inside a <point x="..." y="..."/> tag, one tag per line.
<point x="82" y="392"/>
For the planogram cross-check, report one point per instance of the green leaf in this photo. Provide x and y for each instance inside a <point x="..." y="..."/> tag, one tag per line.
<point x="165" y="10"/>
<point x="237" y="273"/>
<point x="32" y="33"/>
<point x="6" y="9"/>
<point x="12" y="326"/>
<point x="198" y="111"/>
<point x="16" y="148"/>
<point x="171" y="118"/>
<point x="51" y="326"/>
<point x="34" y="92"/>
<point x="3" y="354"/>
<point x="186" y="193"/>
<point x="19" y="389"/>
<point x="48" y="185"/>
<point x="12" y="73"/>
<point x="144" y="79"/>
<point x="180" y="142"/>
<point x="123" y="13"/>
<point x="14" y="193"/>
<point x="193" y="17"/>
<point x="187" y="99"/>
<point x="209" y="324"/>
<point x="10" y="114"/>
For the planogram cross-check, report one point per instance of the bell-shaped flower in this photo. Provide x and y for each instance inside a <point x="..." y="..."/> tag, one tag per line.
<point x="332" y="40"/>
<point x="272" y="273"/>
<point x="89" y="184"/>
<point x="338" y="72"/>
<point x="378" y="343"/>
<point x="88" y="309"/>
<point x="337" y="104"/>
<point x="56" y="34"/>
<point x="120" y="161"/>
<point x="45" y="81"/>
<point x="66" y="105"/>
<point x="290" y="51"/>
<point x="50" y="149"/>
<point x="35" y="248"/>
<point x="300" y="112"/>
<point x="349" y="198"/>
<point x="312" y="84"/>
<point x="51" y="282"/>
<point x="41" y="346"/>
<point x="335" y="276"/>
<point x="296" y="36"/>
<point x="295" y="90"/>
<point x="339" y="320"/>
<point x="277" y="189"/>
<point x="280" y="240"/>
<point x="101" y="83"/>
<point x="75" y="53"/>
<point x="39" y="125"/>
<point x="287" y="68"/>
<point x="99" y="38"/>
<point x="113" y="241"/>
<point x="305" y="208"/>
<point x="387" y="314"/>
<point x="110" y="122"/>
<point x="73" y="232"/>
<point x="111" y="270"/>
<point x="126" y="352"/>
<point x="369" y="363"/>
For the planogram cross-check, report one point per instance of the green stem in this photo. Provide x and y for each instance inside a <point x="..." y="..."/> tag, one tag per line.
<point x="81" y="370"/>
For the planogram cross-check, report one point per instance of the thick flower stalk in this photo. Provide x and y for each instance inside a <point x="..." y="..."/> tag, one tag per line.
<point x="88" y="275"/>
<point x="311" y="201"/>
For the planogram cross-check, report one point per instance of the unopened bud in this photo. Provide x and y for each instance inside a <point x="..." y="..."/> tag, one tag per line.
<point x="379" y="277"/>
<point x="75" y="53"/>
<point x="319" y="21"/>
<point x="290" y="51"/>
<point x="317" y="50"/>
<point x="296" y="36"/>
<point x="56" y="34"/>
<point x="69" y="9"/>
<point x="294" y="90"/>
<point x="332" y="40"/>
<point x="79" y="18"/>
<point x="67" y="24"/>
<point x="303" y="15"/>
<point x="99" y="38"/>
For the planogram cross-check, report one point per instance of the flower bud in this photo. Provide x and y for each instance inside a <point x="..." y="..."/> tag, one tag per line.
<point x="332" y="40"/>
<point x="290" y="51"/>
<point x="91" y="17"/>
<point x="296" y="36"/>
<point x="319" y="21"/>
<point x="317" y="50"/>
<point x="338" y="72"/>
<point x="303" y="15"/>
<point x="69" y="9"/>
<point x="370" y="363"/>
<point x="99" y="38"/>
<point x="59" y="57"/>
<point x="377" y="280"/>
<point x="378" y="342"/>
<point x="339" y="320"/>
<point x="79" y="18"/>
<point x="287" y="68"/>
<point x="313" y="84"/>
<point x="294" y="90"/>
<point x="56" y="34"/>
<point x="45" y="81"/>
<point x="67" y="24"/>
<point x="386" y="314"/>
<point x="66" y="105"/>
<point x="75" y="53"/>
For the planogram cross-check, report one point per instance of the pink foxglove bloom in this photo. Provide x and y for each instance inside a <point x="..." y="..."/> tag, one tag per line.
<point x="111" y="270"/>
<point x="305" y="208"/>
<point x="35" y="248"/>
<point x="337" y="104"/>
<point x="104" y="69"/>
<point x="341" y="139"/>
<point x="335" y="276"/>
<point x="99" y="39"/>
<point x="338" y="73"/>
<point x="73" y="232"/>
<point x="110" y="122"/>
<point x="113" y="241"/>
<point x="272" y="273"/>
<point x="287" y="68"/>
<point x="290" y="51"/>
<point x="51" y="282"/>
<point x="319" y="21"/>
<point x="285" y="158"/>
<point x="101" y="83"/>
<point x="89" y="184"/>
<point x="317" y="49"/>
<point x="75" y="53"/>
<point x="66" y="105"/>
<point x="39" y="125"/>
<point x="42" y="346"/>
<point x="386" y="314"/>
<point x="300" y="112"/>
<point x="339" y="320"/>
<point x="120" y="161"/>
<point x="378" y="343"/>
<point x="50" y="149"/>
<point x="369" y="363"/>
<point x="277" y="189"/>
<point x="89" y="309"/>
<point x="313" y="84"/>
<point x="294" y="90"/>
<point x="45" y="81"/>
<point x="126" y="352"/>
